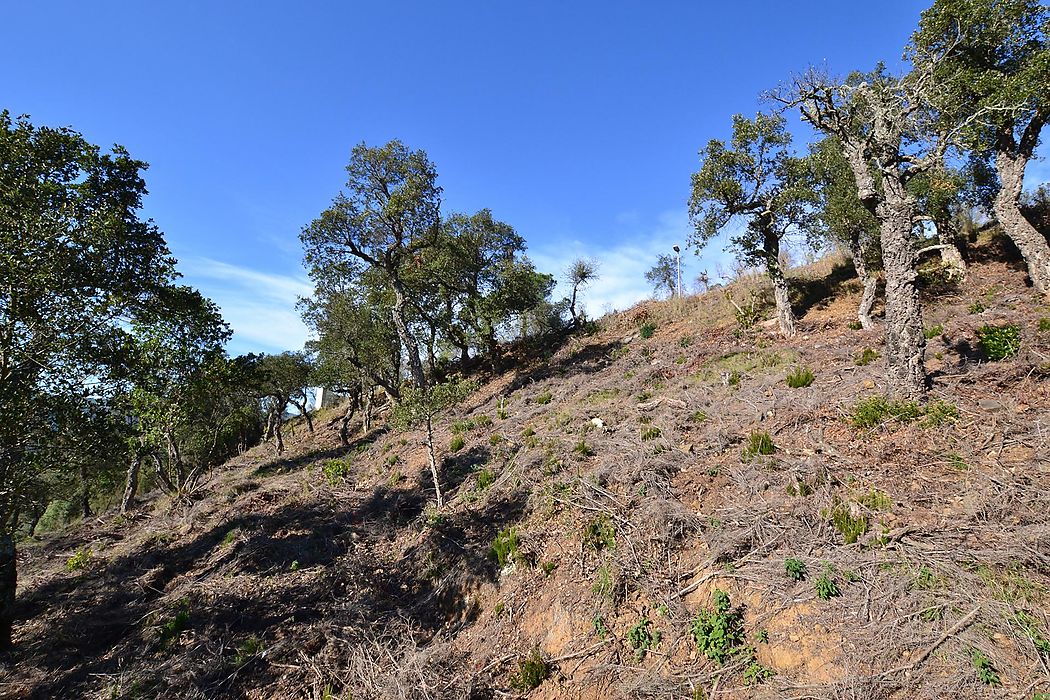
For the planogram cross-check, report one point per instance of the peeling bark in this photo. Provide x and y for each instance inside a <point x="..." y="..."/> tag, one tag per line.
<point x="868" y="280"/>
<point x="781" y="294"/>
<point x="131" y="484"/>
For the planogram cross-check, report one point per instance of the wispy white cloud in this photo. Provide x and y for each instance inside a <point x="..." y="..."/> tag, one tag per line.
<point x="259" y="306"/>
<point x="622" y="265"/>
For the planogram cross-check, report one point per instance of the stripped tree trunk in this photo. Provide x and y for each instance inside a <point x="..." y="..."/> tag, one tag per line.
<point x="8" y="584"/>
<point x="131" y="485"/>
<point x="433" y="461"/>
<point x="1007" y="207"/>
<point x="868" y="280"/>
<point x="781" y="294"/>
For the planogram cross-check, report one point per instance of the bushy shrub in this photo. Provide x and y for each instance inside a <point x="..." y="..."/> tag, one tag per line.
<point x="647" y="330"/>
<point x="336" y="470"/>
<point x="600" y="533"/>
<point x="866" y="357"/>
<point x="720" y="632"/>
<point x="506" y="547"/>
<point x="759" y="443"/>
<point x="999" y="342"/>
<point x="800" y="377"/>
<point x="456" y="443"/>
<point x="532" y="671"/>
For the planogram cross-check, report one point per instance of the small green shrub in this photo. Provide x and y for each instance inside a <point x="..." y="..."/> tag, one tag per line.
<point x="875" y="410"/>
<point x="641" y="638"/>
<point x="583" y="449"/>
<point x="604" y="585"/>
<point x="698" y="417"/>
<point x="170" y="630"/>
<point x="600" y="534"/>
<point x="795" y="569"/>
<point x="336" y="470"/>
<point x="999" y="342"/>
<point x="651" y="433"/>
<point x="506" y="547"/>
<point x="485" y="479"/>
<point x="933" y="331"/>
<point x="759" y="443"/>
<point x="544" y="398"/>
<point x="599" y="627"/>
<point x="875" y="500"/>
<point x="687" y="340"/>
<point x="1044" y="325"/>
<point x="548" y="567"/>
<point x="975" y="308"/>
<point x="851" y="527"/>
<point x="940" y="412"/>
<point x="799" y="377"/>
<point x="733" y="378"/>
<point x="756" y="673"/>
<point x="825" y="586"/>
<point x="247" y="650"/>
<point x="532" y="671"/>
<point x="647" y="330"/>
<point x="854" y="325"/>
<point x="720" y="632"/>
<point x="495" y="439"/>
<point x="986" y="672"/>
<point x="482" y="421"/>
<point x="230" y="537"/>
<point x="866" y="357"/>
<point x="456" y="443"/>
<point x="79" y="560"/>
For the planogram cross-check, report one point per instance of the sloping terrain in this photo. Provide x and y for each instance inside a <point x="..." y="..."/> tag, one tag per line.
<point x="629" y="516"/>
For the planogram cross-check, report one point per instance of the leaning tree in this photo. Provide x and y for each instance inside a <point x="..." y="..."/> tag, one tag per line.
<point x="755" y="177"/>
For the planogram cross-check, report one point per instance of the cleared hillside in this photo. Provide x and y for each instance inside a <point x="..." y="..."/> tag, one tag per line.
<point x="600" y="499"/>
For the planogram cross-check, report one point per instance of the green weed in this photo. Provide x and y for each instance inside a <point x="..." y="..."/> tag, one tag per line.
<point x="505" y="547"/>
<point x="999" y="342"/>
<point x="799" y="377"/>
<point x="866" y="357"/>
<point x="641" y="638"/>
<point x="720" y="632"/>
<point x="532" y="671"/>
<point x="600" y="534"/>
<point x="79" y="560"/>
<point x="647" y="330"/>
<point x="759" y="443"/>
<point x="795" y="569"/>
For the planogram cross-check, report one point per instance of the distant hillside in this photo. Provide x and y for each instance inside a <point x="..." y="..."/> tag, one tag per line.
<point x="649" y="511"/>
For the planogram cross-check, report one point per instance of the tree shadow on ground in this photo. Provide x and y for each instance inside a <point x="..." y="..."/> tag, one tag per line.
<point x="589" y="359"/>
<point x="284" y="465"/>
<point x="807" y="293"/>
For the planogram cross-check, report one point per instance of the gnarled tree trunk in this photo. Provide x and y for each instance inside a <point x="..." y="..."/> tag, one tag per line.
<point x="781" y="294"/>
<point x="905" y="342"/>
<point x="131" y="484"/>
<point x="868" y="280"/>
<point x="951" y="256"/>
<point x="1007" y="207"/>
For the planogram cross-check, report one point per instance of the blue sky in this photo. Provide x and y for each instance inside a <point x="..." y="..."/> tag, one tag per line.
<point x="578" y="123"/>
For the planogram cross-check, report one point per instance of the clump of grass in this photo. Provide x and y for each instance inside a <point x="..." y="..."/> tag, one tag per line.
<point x="719" y="632"/>
<point x="651" y="433"/>
<point x="485" y="479"/>
<point x="532" y="671"/>
<point x="230" y="537"/>
<point x="999" y="342"/>
<point x="866" y="357"/>
<point x="495" y="439"/>
<point x="247" y="650"/>
<point x="854" y="325"/>
<point x="604" y="585"/>
<point x="850" y="526"/>
<point x="336" y="470"/>
<point x="795" y="569"/>
<point x="456" y="443"/>
<point x="600" y="534"/>
<point x="599" y="627"/>
<point x="583" y="449"/>
<point x="1044" y="325"/>
<point x="940" y="412"/>
<point x="875" y="500"/>
<point x="698" y="417"/>
<point x="759" y="443"/>
<point x="647" y="330"/>
<point x="799" y="377"/>
<point x="874" y="410"/>
<point x="986" y="671"/>
<point x="641" y="638"/>
<point x="933" y="331"/>
<point x="825" y="586"/>
<point x="687" y="340"/>
<point x="505" y="547"/>
<point x="544" y="398"/>
<point x="975" y="308"/>
<point x="79" y="560"/>
<point x="170" y="630"/>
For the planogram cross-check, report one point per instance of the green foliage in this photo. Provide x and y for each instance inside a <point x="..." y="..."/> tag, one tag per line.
<point x="800" y="377"/>
<point x="599" y="627"/>
<point x="647" y="330"/>
<point x="485" y="479"/>
<point x="719" y="633"/>
<point x="583" y="449"/>
<point x="230" y="537"/>
<point x="850" y="526"/>
<point x="698" y="417"/>
<point x="544" y="398"/>
<point x="756" y="673"/>
<point x="456" y="443"/>
<point x="687" y="340"/>
<point x="759" y="443"/>
<point x="875" y="500"/>
<point x="1030" y="627"/>
<point x="825" y="586"/>
<point x="975" y="308"/>
<point x="548" y="567"/>
<point x="872" y="411"/>
<point x="505" y="547"/>
<point x="933" y="331"/>
<point x="651" y="433"/>
<point x="795" y="569"/>
<point x="940" y="412"/>
<point x="999" y="342"/>
<point x="604" y="585"/>
<point x="247" y="650"/>
<point x="986" y="671"/>
<point x="854" y="325"/>
<point x="641" y="638"/>
<point x="169" y="631"/>
<point x="866" y="357"/>
<point x="532" y="671"/>
<point x="79" y="560"/>
<point x="337" y="470"/>
<point x="599" y="533"/>
<point x="1044" y="325"/>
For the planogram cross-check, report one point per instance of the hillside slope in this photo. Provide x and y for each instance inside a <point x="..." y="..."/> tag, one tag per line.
<point x="650" y="547"/>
